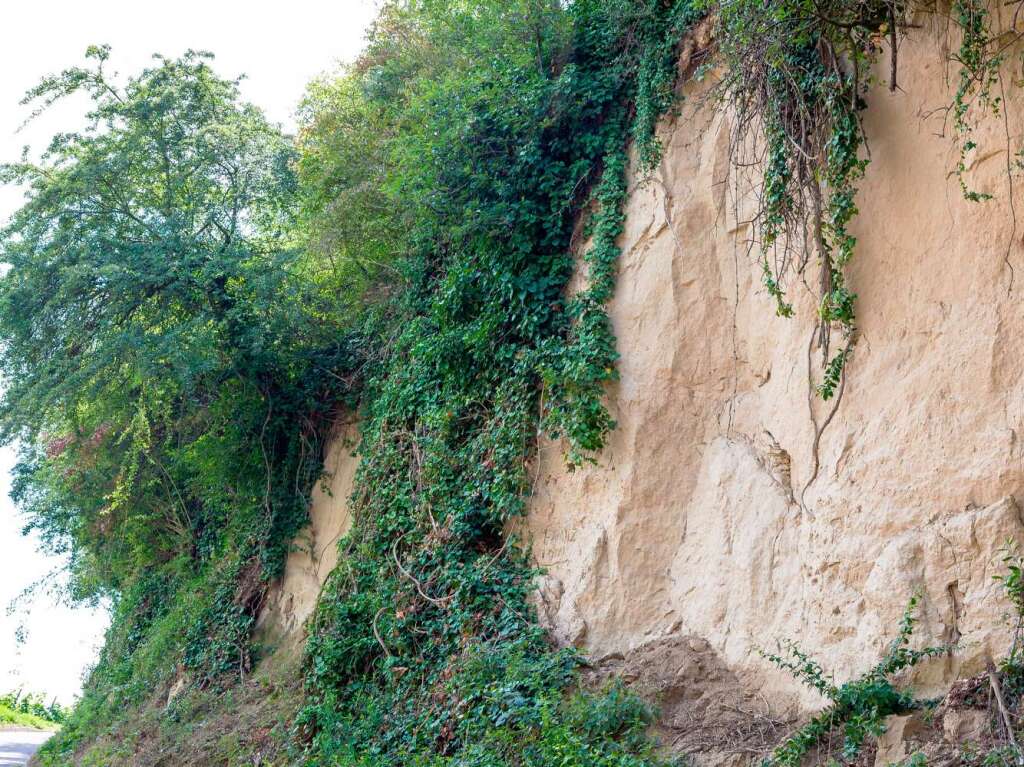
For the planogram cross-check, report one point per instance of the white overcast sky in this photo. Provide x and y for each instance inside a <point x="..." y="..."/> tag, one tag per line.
<point x="279" y="47"/>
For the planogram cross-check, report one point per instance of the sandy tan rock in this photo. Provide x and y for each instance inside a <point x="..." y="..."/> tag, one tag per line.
<point x="180" y="685"/>
<point x="692" y="522"/>
<point x="965" y="726"/>
<point x="315" y="551"/>
<point x="893" y="747"/>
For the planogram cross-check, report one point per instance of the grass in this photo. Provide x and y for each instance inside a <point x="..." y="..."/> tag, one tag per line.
<point x="235" y="726"/>
<point x="11" y="718"/>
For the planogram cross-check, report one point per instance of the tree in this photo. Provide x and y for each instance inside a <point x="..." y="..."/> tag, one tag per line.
<point x="148" y="295"/>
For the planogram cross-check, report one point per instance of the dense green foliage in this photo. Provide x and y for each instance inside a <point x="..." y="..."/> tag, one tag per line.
<point x="11" y="717"/>
<point x="424" y="649"/>
<point x="159" y="361"/>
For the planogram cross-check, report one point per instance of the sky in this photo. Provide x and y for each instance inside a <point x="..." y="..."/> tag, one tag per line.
<point x="279" y="47"/>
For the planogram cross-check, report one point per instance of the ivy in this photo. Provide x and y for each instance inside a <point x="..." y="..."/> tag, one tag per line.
<point x="795" y="75"/>
<point x="794" y="79"/>
<point x="978" y="75"/>
<point x="425" y="648"/>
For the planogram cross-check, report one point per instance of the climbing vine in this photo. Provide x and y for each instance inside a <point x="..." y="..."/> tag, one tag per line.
<point x="980" y="58"/>
<point x="425" y="647"/>
<point x="796" y="75"/>
<point x="978" y="75"/>
<point x="795" y="78"/>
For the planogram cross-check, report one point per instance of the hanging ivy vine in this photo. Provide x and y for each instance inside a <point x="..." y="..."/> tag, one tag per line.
<point x="425" y="648"/>
<point x="795" y="78"/>
<point x="795" y="75"/>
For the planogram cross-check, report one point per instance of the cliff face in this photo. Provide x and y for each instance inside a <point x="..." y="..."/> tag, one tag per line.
<point x="703" y="517"/>
<point x="314" y="554"/>
<point x="692" y="520"/>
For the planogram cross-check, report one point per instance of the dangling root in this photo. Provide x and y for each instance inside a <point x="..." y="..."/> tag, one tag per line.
<point x="819" y="430"/>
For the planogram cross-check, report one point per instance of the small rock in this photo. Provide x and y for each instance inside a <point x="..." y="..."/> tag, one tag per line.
<point x="892" y="744"/>
<point x="964" y="725"/>
<point x="697" y="644"/>
<point x="177" y="689"/>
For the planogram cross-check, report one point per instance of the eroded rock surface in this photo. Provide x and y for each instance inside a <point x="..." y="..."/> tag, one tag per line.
<point x="703" y="520"/>
<point x="315" y="551"/>
<point x="700" y="517"/>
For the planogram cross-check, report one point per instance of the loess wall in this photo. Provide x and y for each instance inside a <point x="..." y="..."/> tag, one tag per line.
<point x="314" y="553"/>
<point x="690" y="524"/>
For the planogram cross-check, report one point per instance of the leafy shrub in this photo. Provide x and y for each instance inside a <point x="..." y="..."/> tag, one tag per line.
<point x="858" y="708"/>
<point x="424" y="648"/>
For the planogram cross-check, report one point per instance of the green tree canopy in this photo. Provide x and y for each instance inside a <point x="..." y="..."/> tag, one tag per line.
<point x="149" y="245"/>
<point x="154" y="322"/>
<point x="181" y="315"/>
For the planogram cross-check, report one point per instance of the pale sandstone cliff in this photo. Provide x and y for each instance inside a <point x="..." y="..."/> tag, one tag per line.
<point x="315" y="551"/>
<point x="691" y="522"/>
<point x="690" y="527"/>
